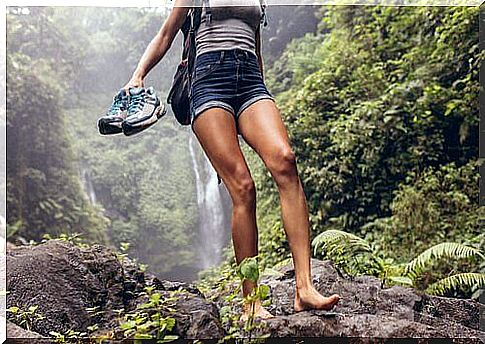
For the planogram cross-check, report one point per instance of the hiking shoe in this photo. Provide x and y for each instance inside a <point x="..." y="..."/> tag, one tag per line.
<point x="111" y="122"/>
<point x="144" y="110"/>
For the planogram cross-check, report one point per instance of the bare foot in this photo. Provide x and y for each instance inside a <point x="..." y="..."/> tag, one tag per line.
<point x="259" y="312"/>
<point x="312" y="299"/>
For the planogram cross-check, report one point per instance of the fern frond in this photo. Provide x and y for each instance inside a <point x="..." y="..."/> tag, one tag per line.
<point x="446" y="249"/>
<point x="468" y="279"/>
<point x="335" y="236"/>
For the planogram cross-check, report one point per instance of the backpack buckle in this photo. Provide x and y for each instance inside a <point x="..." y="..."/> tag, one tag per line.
<point x="208" y="12"/>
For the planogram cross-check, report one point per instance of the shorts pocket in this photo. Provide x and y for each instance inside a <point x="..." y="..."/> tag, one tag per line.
<point x="253" y="63"/>
<point x="206" y="66"/>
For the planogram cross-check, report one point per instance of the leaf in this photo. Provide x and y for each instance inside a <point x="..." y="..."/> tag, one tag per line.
<point x="388" y="119"/>
<point x="168" y="338"/>
<point x="13" y="309"/>
<point x="469" y="279"/>
<point x="401" y="280"/>
<point x="55" y="334"/>
<point x="439" y="251"/>
<point x="263" y="291"/>
<point x="163" y="327"/>
<point x="128" y="325"/>
<point x="341" y="239"/>
<point x="248" y="269"/>
<point x="224" y="311"/>
<point x="170" y="323"/>
<point x="155" y="297"/>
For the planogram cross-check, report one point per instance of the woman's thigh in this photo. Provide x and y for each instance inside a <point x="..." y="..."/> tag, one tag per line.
<point x="215" y="129"/>
<point x="263" y="129"/>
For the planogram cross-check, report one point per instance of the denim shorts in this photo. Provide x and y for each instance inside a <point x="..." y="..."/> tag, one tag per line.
<point x="228" y="79"/>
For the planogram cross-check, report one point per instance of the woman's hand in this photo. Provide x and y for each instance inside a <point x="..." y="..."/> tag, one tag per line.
<point x="133" y="83"/>
<point x="159" y="45"/>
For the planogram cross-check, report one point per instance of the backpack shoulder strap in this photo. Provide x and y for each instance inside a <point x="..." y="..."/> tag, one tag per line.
<point x="264" y="18"/>
<point x="208" y="11"/>
<point x="197" y="11"/>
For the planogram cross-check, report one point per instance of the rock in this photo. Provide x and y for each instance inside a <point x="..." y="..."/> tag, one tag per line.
<point x="65" y="280"/>
<point x="14" y="331"/>
<point x="10" y="246"/>
<point x="204" y="318"/>
<point x="367" y="310"/>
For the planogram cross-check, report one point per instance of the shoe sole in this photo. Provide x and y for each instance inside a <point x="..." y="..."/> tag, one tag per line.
<point x="129" y="129"/>
<point x="106" y="127"/>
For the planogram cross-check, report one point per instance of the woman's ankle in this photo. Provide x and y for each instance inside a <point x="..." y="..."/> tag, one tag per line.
<point x="304" y="286"/>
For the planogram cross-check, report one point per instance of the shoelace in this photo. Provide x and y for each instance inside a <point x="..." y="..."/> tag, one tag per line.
<point x="117" y="105"/>
<point x="136" y="103"/>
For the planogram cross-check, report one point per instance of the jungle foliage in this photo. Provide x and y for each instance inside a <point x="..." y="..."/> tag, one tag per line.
<point x="381" y="104"/>
<point x="44" y="194"/>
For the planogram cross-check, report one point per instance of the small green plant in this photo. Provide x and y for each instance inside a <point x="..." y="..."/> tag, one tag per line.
<point x="124" y="253"/>
<point x="124" y="247"/>
<point x="25" y="318"/>
<point x="148" y="320"/>
<point x="215" y="281"/>
<point x="93" y="328"/>
<point x="346" y="250"/>
<point x="456" y="281"/>
<point x="70" y="336"/>
<point x="443" y="250"/>
<point x="356" y="256"/>
<point x="12" y="229"/>
<point x="94" y="311"/>
<point x="75" y="239"/>
<point x="248" y="269"/>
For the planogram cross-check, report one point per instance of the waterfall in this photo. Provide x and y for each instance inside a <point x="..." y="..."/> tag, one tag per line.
<point x="212" y="223"/>
<point x="88" y="185"/>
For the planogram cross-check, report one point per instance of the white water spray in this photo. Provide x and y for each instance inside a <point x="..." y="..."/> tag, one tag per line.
<point x="211" y="225"/>
<point x="88" y="185"/>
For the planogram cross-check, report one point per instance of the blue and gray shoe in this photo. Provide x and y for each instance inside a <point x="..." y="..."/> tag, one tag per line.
<point x="144" y="110"/>
<point x="111" y="122"/>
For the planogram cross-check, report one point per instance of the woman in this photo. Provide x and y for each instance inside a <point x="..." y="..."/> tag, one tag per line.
<point x="229" y="98"/>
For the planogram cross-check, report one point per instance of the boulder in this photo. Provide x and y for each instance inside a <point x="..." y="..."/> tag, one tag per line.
<point x="22" y="335"/>
<point x="366" y="309"/>
<point x="67" y="282"/>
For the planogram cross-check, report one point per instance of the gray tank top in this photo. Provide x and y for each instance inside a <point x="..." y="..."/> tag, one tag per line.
<point x="233" y="25"/>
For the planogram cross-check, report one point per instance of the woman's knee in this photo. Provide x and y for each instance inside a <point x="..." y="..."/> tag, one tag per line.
<point x="242" y="188"/>
<point x="282" y="165"/>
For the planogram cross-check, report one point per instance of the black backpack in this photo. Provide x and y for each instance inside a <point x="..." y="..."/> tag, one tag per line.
<point x="178" y="96"/>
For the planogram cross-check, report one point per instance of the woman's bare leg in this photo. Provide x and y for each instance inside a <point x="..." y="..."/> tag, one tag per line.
<point x="215" y="129"/>
<point x="263" y="129"/>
